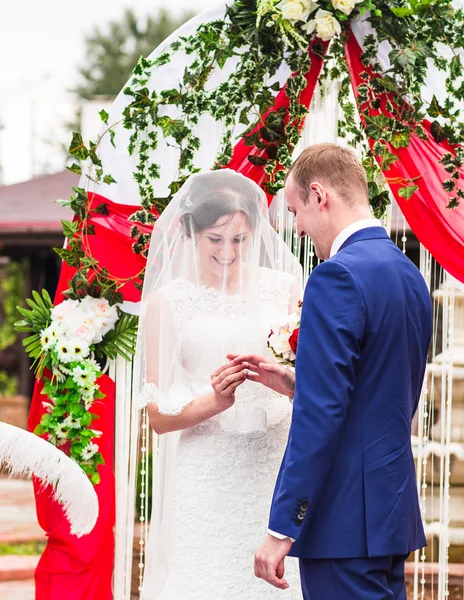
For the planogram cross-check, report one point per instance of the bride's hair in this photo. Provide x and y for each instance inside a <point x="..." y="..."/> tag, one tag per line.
<point x="218" y="194"/>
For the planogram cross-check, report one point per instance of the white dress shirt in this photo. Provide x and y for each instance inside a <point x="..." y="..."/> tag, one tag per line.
<point x="341" y="238"/>
<point x="350" y="230"/>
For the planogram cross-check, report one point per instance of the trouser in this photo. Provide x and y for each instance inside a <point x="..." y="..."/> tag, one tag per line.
<point x="353" y="578"/>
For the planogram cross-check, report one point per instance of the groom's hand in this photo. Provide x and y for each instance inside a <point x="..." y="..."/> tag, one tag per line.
<point x="270" y="561"/>
<point x="267" y="372"/>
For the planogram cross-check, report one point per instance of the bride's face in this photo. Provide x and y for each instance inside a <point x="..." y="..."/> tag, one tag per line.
<point x="221" y="246"/>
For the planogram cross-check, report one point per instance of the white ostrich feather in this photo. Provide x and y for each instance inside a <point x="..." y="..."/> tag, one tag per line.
<point x="24" y="454"/>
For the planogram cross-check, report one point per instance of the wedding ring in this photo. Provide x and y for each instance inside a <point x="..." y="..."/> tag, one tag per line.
<point x="246" y="372"/>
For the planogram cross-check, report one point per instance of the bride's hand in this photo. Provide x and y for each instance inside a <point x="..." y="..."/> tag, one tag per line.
<point x="268" y="373"/>
<point x="225" y="381"/>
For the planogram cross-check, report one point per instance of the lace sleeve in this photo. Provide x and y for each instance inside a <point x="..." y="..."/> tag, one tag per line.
<point x="171" y="403"/>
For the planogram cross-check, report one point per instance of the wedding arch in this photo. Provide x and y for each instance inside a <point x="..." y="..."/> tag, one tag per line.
<point x="247" y="85"/>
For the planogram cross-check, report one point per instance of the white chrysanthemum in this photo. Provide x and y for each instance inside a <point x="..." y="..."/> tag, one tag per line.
<point x="89" y="451"/>
<point x="61" y="431"/>
<point x="72" y="350"/>
<point x="72" y="423"/>
<point x="64" y="310"/>
<point x="324" y="24"/>
<point x="84" y="376"/>
<point x="47" y="341"/>
<point x="345" y="6"/>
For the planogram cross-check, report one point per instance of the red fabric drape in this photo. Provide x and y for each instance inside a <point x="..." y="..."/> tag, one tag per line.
<point x="439" y="229"/>
<point x="74" y="568"/>
<point x="82" y="568"/>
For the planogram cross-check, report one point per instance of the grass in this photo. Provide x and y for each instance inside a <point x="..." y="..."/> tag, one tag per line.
<point x="22" y="549"/>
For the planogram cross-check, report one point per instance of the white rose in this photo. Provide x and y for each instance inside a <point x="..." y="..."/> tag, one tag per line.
<point x="280" y="344"/>
<point x="87" y="331"/>
<point x="295" y="10"/>
<point x="325" y="25"/>
<point x="107" y="314"/>
<point x="345" y="6"/>
<point x="104" y="315"/>
<point x="64" y="310"/>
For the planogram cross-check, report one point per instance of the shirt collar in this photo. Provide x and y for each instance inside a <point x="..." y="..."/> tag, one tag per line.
<point x="351" y="230"/>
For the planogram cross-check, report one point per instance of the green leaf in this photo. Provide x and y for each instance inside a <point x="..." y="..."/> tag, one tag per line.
<point x="95" y="479"/>
<point x="101" y="209"/>
<point x="70" y="257"/>
<point x="70" y="228"/>
<point x="39" y="430"/>
<point x="104" y="116"/>
<point x="258" y="161"/>
<point x="453" y="204"/>
<point x="435" y="110"/>
<point x="377" y="126"/>
<point x="77" y="147"/>
<point x="407" y="192"/>
<point x="439" y="134"/>
<point x="109" y="179"/>
<point x="400" y="139"/>
<point x="172" y="127"/>
<point x="121" y="340"/>
<point x="75" y="168"/>
<point x="387" y="158"/>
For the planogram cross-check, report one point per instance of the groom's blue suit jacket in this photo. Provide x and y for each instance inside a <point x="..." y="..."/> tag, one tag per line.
<point x="347" y="485"/>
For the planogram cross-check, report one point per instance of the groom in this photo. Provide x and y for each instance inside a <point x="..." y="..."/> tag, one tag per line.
<point x="345" y="500"/>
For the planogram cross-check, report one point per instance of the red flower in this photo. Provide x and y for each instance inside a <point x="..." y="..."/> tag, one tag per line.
<point x="293" y="340"/>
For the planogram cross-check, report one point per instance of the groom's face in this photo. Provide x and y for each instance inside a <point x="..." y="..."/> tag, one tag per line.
<point x="310" y="218"/>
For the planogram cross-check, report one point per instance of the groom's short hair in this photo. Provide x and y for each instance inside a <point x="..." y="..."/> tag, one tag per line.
<point x="334" y="165"/>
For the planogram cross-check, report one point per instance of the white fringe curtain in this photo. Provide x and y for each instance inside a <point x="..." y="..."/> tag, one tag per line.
<point x="436" y="443"/>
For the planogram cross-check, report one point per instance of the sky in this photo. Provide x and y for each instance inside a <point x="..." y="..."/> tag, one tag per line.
<point x="41" y="45"/>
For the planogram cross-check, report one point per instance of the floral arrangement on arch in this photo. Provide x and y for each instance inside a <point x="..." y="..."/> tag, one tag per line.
<point x="65" y="341"/>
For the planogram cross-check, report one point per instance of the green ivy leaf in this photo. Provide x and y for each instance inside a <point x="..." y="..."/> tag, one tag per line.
<point x="101" y="209"/>
<point x="75" y="168"/>
<point x="77" y="147"/>
<point x="400" y="139"/>
<point x="407" y="192"/>
<point x="439" y="134"/>
<point x="435" y="110"/>
<point x="377" y="126"/>
<point x="70" y="257"/>
<point x="258" y="161"/>
<point x="70" y="228"/>
<point x="104" y="116"/>
<point x="388" y="158"/>
<point x="109" y="179"/>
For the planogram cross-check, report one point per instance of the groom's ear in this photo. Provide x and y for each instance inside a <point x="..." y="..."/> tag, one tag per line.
<point x="320" y="194"/>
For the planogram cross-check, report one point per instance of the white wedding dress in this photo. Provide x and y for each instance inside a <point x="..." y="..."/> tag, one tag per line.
<point x="226" y="466"/>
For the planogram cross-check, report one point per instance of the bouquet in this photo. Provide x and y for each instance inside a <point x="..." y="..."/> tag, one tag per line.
<point x="65" y="340"/>
<point x="283" y="339"/>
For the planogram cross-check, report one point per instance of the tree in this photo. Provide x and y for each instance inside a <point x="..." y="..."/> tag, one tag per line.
<point x="113" y="51"/>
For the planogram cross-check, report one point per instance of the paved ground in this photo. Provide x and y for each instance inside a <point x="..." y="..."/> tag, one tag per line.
<point x="18" y="523"/>
<point x="17" y="590"/>
<point x="18" y="520"/>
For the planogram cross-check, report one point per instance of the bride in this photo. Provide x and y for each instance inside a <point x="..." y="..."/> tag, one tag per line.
<point x="218" y="277"/>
